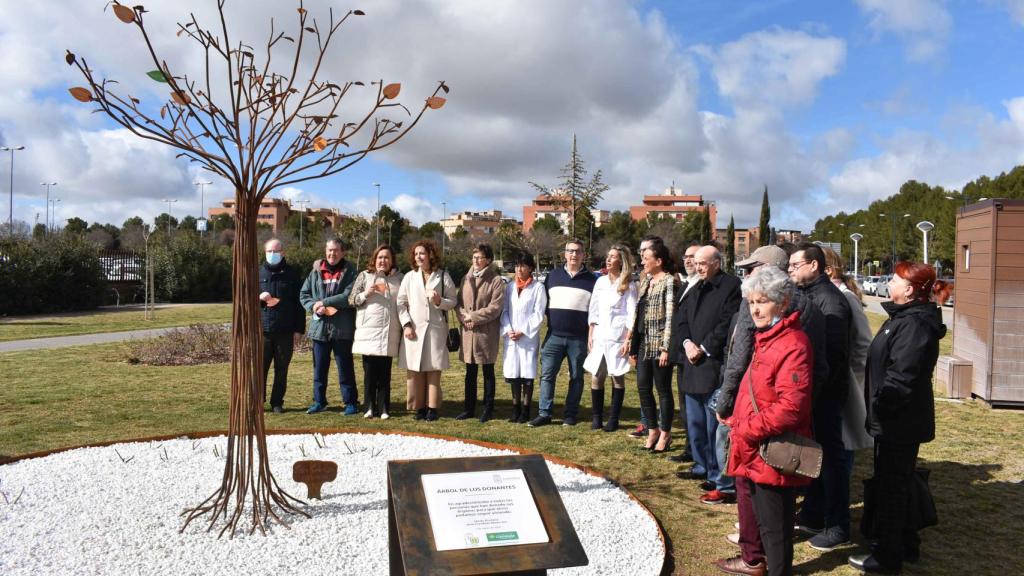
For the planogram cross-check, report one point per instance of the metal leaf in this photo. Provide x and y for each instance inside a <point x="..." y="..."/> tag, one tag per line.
<point x="444" y="87"/>
<point x="157" y="75"/>
<point x="358" y="83"/>
<point x="435" y="102"/>
<point x="163" y="111"/>
<point x="391" y="90"/>
<point x="180" y="98"/>
<point x="309" y="29"/>
<point x="69" y="58"/>
<point x="302" y="10"/>
<point x="319" y="144"/>
<point x="359" y="13"/>
<point x="81" y="94"/>
<point x="124" y="13"/>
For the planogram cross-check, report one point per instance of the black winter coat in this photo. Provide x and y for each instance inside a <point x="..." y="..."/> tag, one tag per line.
<point x="676" y="355"/>
<point x="838" y="332"/>
<point x="898" y="384"/>
<point x="282" y="282"/>
<point x="706" y="323"/>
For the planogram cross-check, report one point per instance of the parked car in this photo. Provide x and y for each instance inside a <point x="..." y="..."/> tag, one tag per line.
<point x="882" y="286"/>
<point x="870" y="285"/>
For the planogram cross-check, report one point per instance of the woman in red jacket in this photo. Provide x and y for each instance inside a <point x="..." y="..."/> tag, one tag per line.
<point x="779" y="377"/>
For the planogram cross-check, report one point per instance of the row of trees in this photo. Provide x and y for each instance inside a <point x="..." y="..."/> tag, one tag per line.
<point x="889" y="227"/>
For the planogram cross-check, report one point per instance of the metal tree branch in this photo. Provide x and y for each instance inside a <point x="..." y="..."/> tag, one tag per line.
<point x="273" y="131"/>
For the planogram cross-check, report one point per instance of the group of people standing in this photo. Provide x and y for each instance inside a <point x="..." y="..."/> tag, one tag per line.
<point x="785" y="350"/>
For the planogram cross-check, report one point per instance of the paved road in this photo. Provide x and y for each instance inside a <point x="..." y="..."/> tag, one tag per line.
<point x="81" y="340"/>
<point x="875" y="305"/>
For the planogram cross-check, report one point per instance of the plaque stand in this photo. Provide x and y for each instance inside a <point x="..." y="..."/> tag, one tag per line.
<point x="411" y="547"/>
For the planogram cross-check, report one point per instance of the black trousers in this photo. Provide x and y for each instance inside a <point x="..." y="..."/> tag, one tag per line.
<point x="470" y="387"/>
<point x="827" y="503"/>
<point x="377" y="383"/>
<point x="650" y="377"/>
<point x="775" y="508"/>
<point x="894" y="471"/>
<point x="277" y="348"/>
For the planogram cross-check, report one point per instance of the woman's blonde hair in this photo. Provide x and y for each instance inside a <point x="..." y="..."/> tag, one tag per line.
<point x="626" y="274"/>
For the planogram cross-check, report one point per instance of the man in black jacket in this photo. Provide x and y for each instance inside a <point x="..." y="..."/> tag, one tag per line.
<point x="284" y="319"/>
<point x="826" y="508"/>
<point x="676" y="354"/>
<point x="704" y="332"/>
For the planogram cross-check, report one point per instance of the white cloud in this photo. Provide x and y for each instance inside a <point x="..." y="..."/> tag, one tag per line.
<point x="418" y="210"/>
<point x="1016" y="9"/>
<point x="923" y="25"/>
<point x="776" y="68"/>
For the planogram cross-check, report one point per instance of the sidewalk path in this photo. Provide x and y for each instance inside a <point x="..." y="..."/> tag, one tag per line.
<point x="81" y="340"/>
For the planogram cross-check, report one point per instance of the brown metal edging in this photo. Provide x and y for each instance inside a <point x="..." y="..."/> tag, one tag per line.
<point x="667" y="561"/>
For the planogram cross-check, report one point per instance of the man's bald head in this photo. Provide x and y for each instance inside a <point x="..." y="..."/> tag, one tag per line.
<point x="708" y="261"/>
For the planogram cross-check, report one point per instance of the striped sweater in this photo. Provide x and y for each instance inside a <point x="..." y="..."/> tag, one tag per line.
<point x="569" y="302"/>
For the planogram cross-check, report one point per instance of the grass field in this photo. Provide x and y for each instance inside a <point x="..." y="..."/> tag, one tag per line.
<point x="56" y="398"/>
<point x="110" y="320"/>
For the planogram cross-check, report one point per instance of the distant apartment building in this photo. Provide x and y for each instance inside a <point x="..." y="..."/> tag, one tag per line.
<point x="476" y="224"/>
<point x="276" y="211"/>
<point x="674" y="204"/>
<point x="781" y="236"/>
<point x="558" y="207"/>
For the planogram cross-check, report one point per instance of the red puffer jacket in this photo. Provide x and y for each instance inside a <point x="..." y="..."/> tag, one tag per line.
<point x="781" y="371"/>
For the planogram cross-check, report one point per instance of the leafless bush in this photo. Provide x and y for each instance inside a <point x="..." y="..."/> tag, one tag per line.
<point x="195" y="344"/>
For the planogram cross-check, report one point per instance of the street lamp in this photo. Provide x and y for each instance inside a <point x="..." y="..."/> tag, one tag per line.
<point x="10" y="216"/>
<point x="53" y="213"/>
<point x="169" y="202"/>
<point x="377" y="218"/>
<point x="892" y="263"/>
<point x="856" y="237"/>
<point x="47" y="184"/>
<point x="302" y="220"/>
<point x="202" y="202"/>
<point x="925" y="227"/>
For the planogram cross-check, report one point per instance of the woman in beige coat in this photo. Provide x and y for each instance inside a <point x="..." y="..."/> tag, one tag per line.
<point x="481" y="299"/>
<point x="378" y="329"/>
<point x="424" y="298"/>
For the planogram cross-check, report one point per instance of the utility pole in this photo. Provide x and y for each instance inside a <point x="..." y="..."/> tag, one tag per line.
<point x="10" y="215"/>
<point x="169" y="202"/>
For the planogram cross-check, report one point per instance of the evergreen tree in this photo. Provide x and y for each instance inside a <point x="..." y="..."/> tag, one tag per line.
<point x="706" y="230"/>
<point x="575" y="193"/>
<point x="764" y="229"/>
<point x="730" y="244"/>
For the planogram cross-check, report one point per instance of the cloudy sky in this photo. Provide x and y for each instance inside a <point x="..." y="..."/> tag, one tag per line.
<point x="829" y="104"/>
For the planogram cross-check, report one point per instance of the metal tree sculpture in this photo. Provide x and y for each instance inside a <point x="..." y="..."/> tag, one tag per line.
<point x="272" y="131"/>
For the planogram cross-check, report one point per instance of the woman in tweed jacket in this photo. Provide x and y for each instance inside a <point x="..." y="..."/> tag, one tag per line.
<point x="652" y="330"/>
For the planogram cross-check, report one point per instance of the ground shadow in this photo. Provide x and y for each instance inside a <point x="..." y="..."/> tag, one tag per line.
<point x="979" y="522"/>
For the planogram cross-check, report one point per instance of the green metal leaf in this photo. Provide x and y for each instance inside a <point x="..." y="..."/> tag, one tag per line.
<point x="157" y="75"/>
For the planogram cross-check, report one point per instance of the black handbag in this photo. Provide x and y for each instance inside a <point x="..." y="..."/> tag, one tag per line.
<point x="921" y="511"/>
<point x="454" y="340"/>
<point x="789" y="452"/>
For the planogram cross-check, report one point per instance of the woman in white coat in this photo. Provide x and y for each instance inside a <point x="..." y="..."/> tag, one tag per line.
<point x="378" y="329"/>
<point x="525" y="303"/>
<point x="612" y="306"/>
<point x="424" y="299"/>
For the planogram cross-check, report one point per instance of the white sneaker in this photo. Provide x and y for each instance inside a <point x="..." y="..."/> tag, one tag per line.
<point x="369" y="414"/>
<point x="384" y="416"/>
<point x="734" y="538"/>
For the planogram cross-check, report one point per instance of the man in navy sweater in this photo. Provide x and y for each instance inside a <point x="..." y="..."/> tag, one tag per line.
<point x="568" y="289"/>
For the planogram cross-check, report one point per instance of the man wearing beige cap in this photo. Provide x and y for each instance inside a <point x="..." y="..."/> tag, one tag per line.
<point x="738" y="354"/>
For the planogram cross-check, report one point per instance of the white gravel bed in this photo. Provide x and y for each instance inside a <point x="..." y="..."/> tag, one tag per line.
<point x="85" y="511"/>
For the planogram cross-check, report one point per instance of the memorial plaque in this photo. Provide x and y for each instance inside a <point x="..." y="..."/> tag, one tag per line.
<point x="469" y="516"/>
<point x="314" y="473"/>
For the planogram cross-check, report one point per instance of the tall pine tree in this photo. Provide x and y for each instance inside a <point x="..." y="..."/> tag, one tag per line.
<point x="575" y="194"/>
<point x="730" y="244"/>
<point x="765" y="231"/>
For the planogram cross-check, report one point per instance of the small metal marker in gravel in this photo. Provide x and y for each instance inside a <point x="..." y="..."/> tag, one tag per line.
<point x="314" y="473"/>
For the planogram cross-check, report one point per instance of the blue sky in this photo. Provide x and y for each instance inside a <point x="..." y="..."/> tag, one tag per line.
<point x="830" y="104"/>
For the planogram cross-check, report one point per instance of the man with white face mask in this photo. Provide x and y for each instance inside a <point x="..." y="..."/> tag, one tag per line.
<point x="284" y="319"/>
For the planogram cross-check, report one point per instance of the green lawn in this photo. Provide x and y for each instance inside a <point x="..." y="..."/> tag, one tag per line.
<point x="110" y="320"/>
<point x="56" y="398"/>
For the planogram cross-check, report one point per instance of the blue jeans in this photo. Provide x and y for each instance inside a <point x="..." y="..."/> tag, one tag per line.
<point x="342" y="350"/>
<point x="555" y="349"/>
<point x="724" y="483"/>
<point x="701" y="426"/>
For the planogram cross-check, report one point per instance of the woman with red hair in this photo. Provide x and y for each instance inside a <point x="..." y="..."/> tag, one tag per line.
<point x="901" y="410"/>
